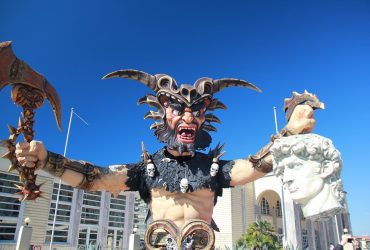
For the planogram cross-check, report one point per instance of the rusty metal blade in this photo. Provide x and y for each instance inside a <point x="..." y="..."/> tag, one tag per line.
<point x="15" y="71"/>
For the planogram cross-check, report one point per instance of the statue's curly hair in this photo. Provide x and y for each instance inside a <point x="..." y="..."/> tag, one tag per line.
<point x="311" y="147"/>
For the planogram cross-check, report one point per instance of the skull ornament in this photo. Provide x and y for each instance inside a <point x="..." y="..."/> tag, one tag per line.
<point x="150" y="169"/>
<point x="184" y="184"/>
<point x="214" y="169"/>
<point x="171" y="243"/>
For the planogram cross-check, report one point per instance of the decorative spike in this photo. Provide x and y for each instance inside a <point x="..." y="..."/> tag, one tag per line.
<point x="13" y="137"/>
<point x="12" y="129"/>
<point x="215" y="159"/>
<point x="217" y="150"/>
<point x="6" y="143"/>
<point x="209" y="127"/>
<point x="7" y="155"/>
<point x="151" y="100"/>
<point x="43" y="197"/>
<point x="24" y="197"/>
<point x="219" y="147"/>
<point x="20" y="122"/>
<point x="153" y="115"/>
<point x="41" y="184"/>
<point x="212" y="118"/>
<point x="155" y="125"/>
<point x="142" y="100"/>
<point x="22" y="177"/>
<point x="216" y="104"/>
<point x="144" y="153"/>
<point x="11" y="168"/>
<point x="19" y="186"/>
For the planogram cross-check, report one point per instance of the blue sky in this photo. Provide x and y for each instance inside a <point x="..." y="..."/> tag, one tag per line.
<point x="281" y="46"/>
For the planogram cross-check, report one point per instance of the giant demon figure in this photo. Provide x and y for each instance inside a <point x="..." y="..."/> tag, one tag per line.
<point x="179" y="183"/>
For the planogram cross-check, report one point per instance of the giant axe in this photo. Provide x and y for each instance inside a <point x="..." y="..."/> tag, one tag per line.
<point x="29" y="91"/>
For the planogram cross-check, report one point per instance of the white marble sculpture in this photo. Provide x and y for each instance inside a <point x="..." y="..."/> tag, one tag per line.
<point x="310" y="166"/>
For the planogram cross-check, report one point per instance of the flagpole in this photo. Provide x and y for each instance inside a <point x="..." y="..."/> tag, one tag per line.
<point x="282" y="189"/>
<point x="60" y="181"/>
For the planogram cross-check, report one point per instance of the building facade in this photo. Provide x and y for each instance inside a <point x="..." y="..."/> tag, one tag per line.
<point x="84" y="220"/>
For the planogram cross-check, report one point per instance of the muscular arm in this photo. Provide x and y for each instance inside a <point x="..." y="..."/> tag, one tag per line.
<point x="86" y="176"/>
<point x="243" y="172"/>
<point x="78" y="174"/>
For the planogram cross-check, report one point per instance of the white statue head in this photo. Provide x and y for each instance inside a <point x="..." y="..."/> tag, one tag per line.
<point x="184" y="184"/>
<point x="150" y="169"/>
<point x="310" y="166"/>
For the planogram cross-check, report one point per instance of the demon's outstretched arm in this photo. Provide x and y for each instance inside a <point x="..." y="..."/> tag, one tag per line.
<point x="77" y="174"/>
<point x="256" y="166"/>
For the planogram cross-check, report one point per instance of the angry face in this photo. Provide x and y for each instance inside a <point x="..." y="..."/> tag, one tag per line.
<point x="184" y="125"/>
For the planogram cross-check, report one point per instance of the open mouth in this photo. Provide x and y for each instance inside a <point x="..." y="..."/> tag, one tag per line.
<point x="186" y="134"/>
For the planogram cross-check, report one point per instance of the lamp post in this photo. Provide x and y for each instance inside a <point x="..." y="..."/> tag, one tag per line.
<point x="24" y="236"/>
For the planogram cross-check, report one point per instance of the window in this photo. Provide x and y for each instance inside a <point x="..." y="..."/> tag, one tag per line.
<point x="63" y="213"/>
<point x="304" y="239"/>
<point x="265" y="208"/>
<point x="9" y="206"/>
<point x="117" y="211"/>
<point x="278" y="209"/>
<point x="116" y="222"/>
<point x="91" y="208"/>
<point x="140" y="212"/>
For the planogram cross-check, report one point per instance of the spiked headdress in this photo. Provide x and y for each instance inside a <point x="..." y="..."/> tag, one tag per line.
<point x="167" y="90"/>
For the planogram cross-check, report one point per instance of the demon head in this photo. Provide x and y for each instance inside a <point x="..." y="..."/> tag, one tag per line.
<point x="183" y="117"/>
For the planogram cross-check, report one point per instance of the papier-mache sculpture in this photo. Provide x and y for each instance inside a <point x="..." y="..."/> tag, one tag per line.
<point x="310" y="167"/>
<point x="179" y="183"/>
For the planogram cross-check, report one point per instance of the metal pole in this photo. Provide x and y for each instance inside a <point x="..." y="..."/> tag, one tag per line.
<point x="60" y="182"/>
<point x="282" y="189"/>
<point x="276" y="124"/>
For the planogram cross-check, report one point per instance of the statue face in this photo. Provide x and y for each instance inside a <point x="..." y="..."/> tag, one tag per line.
<point x="185" y="122"/>
<point x="302" y="178"/>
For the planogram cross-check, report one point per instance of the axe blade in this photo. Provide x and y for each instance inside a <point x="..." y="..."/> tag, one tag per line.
<point x="15" y="71"/>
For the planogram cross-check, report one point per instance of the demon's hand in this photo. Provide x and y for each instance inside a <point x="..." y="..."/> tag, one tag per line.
<point x="299" y="112"/>
<point x="31" y="155"/>
<point x="302" y="120"/>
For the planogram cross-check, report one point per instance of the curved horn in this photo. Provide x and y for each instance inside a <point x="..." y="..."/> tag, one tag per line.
<point x="220" y="84"/>
<point x="134" y="74"/>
